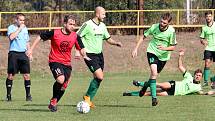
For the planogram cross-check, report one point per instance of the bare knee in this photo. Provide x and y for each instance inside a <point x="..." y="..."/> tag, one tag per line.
<point x="60" y="79"/>
<point x="10" y="76"/>
<point x="26" y="76"/>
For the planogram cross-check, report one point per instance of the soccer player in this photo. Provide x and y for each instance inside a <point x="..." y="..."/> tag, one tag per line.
<point x="62" y="42"/>
<point x="208" y="40"/>
<point x="93" y="33"/>
<point x="188" y="85"/>
<point x="18" y="61"/>
<point x="158" y="52"/>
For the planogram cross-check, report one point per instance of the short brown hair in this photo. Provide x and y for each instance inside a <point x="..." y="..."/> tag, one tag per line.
<point x="67" y="17"/>
<point x="166" y="16"/>
<point x="208" y="12"/>
<point x="18" y="15"/>
<point x="197" y="71"/>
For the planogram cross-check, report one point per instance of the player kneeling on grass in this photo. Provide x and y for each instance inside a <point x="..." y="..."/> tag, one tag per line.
<point x="62" y="42"/>
<point x="188" y="85"/>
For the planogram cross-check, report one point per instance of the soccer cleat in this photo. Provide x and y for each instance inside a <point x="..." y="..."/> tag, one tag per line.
<point x="28" y="98"/>
<point x="53" y="105"/>
<point x="126" y="94"/>
<point x="154" y="101"/>
<point x="143" y="90"/>
<point x="8" y="98"/>
<point x="136" y="83"/>
<point x="87" y="99"/>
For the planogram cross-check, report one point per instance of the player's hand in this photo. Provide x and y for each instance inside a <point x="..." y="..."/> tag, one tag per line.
<point x="181" y="52"/>
<point x="28" y="52"/>
<point x="134" y="53"/>
<point x="84" y="54"/>
<point x="21" y="26"/>
<point x="118" y="44"/>
<point x="160" y="47"/>
<point x="204" y="42"/>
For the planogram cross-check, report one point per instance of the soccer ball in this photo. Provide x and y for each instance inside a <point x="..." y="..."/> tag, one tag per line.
<point x="83" y="107"/>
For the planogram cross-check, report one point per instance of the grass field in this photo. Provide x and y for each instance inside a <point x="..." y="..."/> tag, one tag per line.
<point x="110" y="104"/>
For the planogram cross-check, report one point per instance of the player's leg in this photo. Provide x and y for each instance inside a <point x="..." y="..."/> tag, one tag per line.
<point x="58" y="74"/>
<point x="212" y="79"/>
<point x="24" y="68"/>
<point x="67" y="74"/>
<point x="207" y="58"/>
<point x="96" y="65"/>
<point x="152" y="83"/>
<point x="12" y="69"/>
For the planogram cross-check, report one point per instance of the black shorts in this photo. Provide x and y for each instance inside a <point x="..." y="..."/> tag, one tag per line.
<point x="171" y="91"/>
<point x="153" y="59"/>
<point x="18" y="62"/>
<point x="59" y="69"/>
<point x="209" y="55"/>
<point x="96" y="62"/>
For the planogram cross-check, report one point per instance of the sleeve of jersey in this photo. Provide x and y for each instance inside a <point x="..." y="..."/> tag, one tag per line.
<point x="188" y="76"/>
<point x="202" y="35"/>
<point x="79" y="42"/>
<point x="148" y="31"/>
<point x="47" y="35"/>
<point x="83" y="30"/>
<point x="10" y="30"/>
<point x="173" y="41"/>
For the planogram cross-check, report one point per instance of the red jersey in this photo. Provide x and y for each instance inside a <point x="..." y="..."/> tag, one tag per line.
<point x="61" y="45"/>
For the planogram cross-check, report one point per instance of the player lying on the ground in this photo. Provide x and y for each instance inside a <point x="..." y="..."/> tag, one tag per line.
<point x="188" y="85"/>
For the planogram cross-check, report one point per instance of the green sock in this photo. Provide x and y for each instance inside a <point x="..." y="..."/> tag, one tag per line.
<point x="94" y="85"/>
<point x="135" y="93"/>
<point x="142" y="84"/>
<point x="206" y="74"/>
<point x="152" y="83"/>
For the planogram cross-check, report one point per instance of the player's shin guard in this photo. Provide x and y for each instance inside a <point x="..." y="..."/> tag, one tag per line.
<point x="27" y="84"/>
<point x="94" y="85"/>
<point x="206" y="74"/>
<point x="9" y="84"/>
<point x="56" y="90"/>
<point x="152" y="83"/>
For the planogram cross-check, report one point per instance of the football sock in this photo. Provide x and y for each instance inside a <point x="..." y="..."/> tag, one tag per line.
<point x="27" y="84"/>
<point x="94" y="85"/>
<point x="56" y="90"/>
<point x="135" y="93"/>
<point x="152" y="83"/>
<point x="9" y="84"/>
<point x="206" y="74"/>
<point x="62" y="91"/>
<point x="141" y="84"/>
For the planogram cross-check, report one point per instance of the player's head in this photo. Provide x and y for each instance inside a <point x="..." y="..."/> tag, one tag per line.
<point x="208" y="16"/>
<point x="165" y="20"/>
<point x="197" y="76"/>
<point x="19" y="19"/>
<point x="100" y="13"/>
<point x="69" y="23"/>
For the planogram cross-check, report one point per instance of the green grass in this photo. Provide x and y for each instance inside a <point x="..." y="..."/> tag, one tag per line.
<point x="110" y="104"/>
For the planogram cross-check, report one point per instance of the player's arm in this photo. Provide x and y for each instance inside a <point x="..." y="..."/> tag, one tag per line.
<point x="13" y="35"/>
<point x="44" y="36"/>
<point x="180" y="63"/>
<point x="203" y="41"/>
<point x="202" y="93"/>
<point x="134" y="52"/>
<point x="113" y="42"/>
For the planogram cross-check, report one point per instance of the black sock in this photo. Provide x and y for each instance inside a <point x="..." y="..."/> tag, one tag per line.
<point x="56" y="90"/>
<point x="9" y="84"/>
<point x="27" y="87"/>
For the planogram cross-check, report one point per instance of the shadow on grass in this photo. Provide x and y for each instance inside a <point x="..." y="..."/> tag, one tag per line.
<point x="116" y="106"/>
<point x="27" y="110"/>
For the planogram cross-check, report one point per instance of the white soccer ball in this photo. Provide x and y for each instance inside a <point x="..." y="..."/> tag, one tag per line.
<point x="83" y="107"/>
